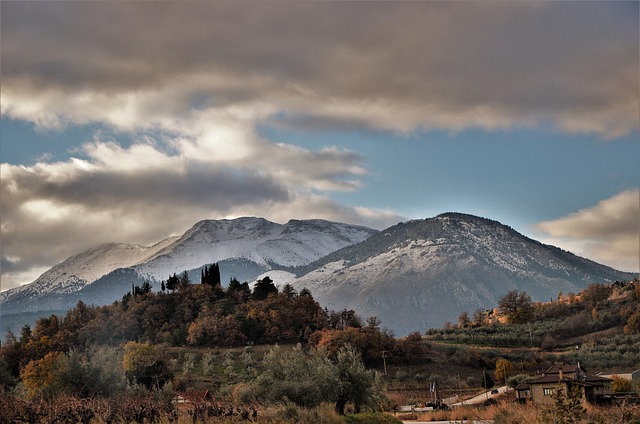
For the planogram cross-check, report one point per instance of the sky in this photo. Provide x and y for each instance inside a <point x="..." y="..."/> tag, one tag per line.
<point x="131" y="121"/>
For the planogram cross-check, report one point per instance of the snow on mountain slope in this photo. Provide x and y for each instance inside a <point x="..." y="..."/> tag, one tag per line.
<point x="255" y="239"/>
<point x="79" y="270"/>
<point x="249" y="245"/>
<point x="420" y="274"/>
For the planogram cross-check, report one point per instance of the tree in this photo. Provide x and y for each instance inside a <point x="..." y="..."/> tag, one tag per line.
<point x="240" y="291"/>
<point x="210" y="275"/>
<point x="183" y="280"/>
<point x="38" y="375"/>
<point x="568" y="407"/>
<point x="6" y="379"/>
<point x="288" y="291"/>
<point x="516" y="306"/>
<point x="479" y="318"/>
<point x="263" y="288"/>
<point x="504" y="369"/>
<point x="633" y="324"/>
<point x="145" y="365"/>
<point x="356" y="384"/>
<point x="596" y="293"/>
<point x="305" y="292"/>
<point x="306" y="379"/>
<point x="620" y="385"/>
<point x="172" y="282"/>
<point x="463" y="320"/>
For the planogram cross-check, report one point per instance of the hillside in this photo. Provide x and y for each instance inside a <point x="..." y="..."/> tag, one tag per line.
<point x="422" y="273"/>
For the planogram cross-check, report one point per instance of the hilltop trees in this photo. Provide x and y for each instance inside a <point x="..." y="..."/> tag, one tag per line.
<point x="516" y="306"/>
<point x="263" y="288"/>
<point x="210" y="275"/>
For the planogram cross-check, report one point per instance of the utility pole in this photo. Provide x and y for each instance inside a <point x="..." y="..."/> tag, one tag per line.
<point x="484" y="381"/>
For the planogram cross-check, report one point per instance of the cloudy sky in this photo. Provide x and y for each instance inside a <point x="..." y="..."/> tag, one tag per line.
<point x="131" y="121"/>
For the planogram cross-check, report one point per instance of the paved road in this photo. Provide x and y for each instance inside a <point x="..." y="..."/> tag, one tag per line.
<point x="482" y="397"/>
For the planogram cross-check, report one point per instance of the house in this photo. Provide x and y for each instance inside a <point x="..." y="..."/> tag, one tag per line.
<point x="563" y="377"/>
<point x="523" y="392"/>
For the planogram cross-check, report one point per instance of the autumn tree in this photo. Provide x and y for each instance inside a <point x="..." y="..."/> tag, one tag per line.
<point x="620" y="385"/>
<point x="504" y="369"/>
<point x="633" y="324"/>
<point x="516" y="306"/>
<point x="596" y="293"/>
<point x="463" y="320"/>
<point x="38" y="375"/>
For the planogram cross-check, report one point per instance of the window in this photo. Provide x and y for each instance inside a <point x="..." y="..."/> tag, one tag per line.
<point x="547" y="391"/>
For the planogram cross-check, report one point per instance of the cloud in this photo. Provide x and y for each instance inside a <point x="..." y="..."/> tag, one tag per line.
<point x="140" y="194"/>
<point x="384" y="65"/>
<point x="608" y="232"/>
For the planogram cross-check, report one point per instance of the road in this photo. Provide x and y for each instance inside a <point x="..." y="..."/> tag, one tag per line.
<point x="482" y="397"/>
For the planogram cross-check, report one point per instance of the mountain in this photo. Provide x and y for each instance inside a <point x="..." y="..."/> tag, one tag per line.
<point x="244" y="248"/>
<point x="420" y="274"/>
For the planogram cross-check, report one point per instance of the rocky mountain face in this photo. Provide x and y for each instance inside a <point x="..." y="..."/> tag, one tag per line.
<point x="244" y="248"/>
<point x="419" y="274"/>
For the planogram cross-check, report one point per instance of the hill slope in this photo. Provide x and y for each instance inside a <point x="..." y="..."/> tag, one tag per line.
<point x="420" y="274"/>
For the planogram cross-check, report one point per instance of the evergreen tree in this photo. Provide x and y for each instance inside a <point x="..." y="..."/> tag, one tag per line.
<point x="172" y="282"/>
<point x="263" y="288"/>
<point x="289" y="291"/>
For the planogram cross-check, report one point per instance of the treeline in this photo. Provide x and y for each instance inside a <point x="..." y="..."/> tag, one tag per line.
<point x="188" y="314"/>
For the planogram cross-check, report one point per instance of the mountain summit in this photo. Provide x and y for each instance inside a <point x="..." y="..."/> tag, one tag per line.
<point x="244" y="247"/>
<point x="422" y="273"/>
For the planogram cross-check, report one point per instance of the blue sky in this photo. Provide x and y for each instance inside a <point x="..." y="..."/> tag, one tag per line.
<point x="131" y="121"/>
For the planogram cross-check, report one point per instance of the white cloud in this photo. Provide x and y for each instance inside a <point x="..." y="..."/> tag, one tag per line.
<point x="608" y="232"/>
<point x="142" y="193"/>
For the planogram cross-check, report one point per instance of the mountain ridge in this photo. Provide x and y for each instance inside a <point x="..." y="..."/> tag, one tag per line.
<point x="413" y="275"/>
<point x="250" y="243"/>
<point x="421" y="273"/>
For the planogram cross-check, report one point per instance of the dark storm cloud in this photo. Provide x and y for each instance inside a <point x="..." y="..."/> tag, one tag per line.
<point x="448" y="65"/>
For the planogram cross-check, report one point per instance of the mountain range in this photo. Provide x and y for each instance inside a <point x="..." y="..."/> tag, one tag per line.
<point x="412" y="276"/>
